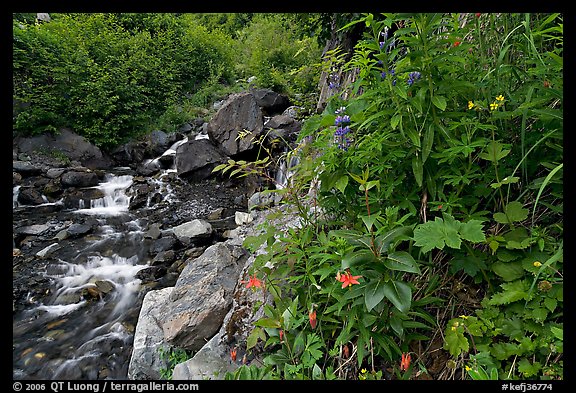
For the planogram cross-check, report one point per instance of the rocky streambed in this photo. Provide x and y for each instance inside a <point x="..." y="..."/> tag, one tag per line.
<point x="116" y="256"/>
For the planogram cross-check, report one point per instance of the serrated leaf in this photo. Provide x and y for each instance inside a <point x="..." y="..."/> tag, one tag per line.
<point x="456" y="343"/>
<point x="528" y="369"/>
<point x="373" y="294"/>
<point x="437" y="234"/>
<point x="512" y="292"/>
<point x="557" y="332"/>
<point x="399" y="294"/>
<point x="401" y="261"/>
<point x="472" y="231"/>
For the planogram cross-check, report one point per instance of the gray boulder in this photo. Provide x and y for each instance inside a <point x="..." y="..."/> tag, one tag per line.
<point x="237" y="124"/>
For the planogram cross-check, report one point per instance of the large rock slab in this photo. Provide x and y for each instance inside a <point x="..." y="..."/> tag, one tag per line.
<point x="237" y="124"/>
<point x="196" y="158"/>
<point x="202" y="296"/>
<point x="145" y="362"/>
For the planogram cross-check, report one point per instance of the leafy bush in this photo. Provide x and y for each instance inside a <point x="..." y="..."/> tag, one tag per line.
<point x="108" y="75"/>
<point x="443" y="170"/>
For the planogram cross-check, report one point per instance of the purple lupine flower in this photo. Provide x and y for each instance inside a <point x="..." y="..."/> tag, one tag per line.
<point x="382" y="43"/>
<point x="412" y="77"/>
<point x="341" y="131"/>
<point x="342" y="120"/>
<point x="383" y="74"/>
<point x="394" y="82"/>
<point x="392" y="71"/>
<point x="340" y="110"/>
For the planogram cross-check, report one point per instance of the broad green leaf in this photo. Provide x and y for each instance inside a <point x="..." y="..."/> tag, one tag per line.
<point x="557" y="332"/>
<point x="401" y="261"/>
<point x="528" y="369"/>
<point x="354" y="257"/>
<point x="341" y="183"/>
<point x="437" y="234"/>
<point x="396" y="324"/>
<point x="509" y="271"/>
<point x="252" y="339"/>
<point x="494" y="152"/>
<point x="373" y="294"/>
<point x="369" y="221"/>
<point x="268" y="323"/>
<point x="383" y="241"/>
<point x="439" y="102"/>
<point x="399" y="294"/>
<point x="513" y="212"/>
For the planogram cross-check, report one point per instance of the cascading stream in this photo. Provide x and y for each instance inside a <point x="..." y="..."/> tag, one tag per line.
<point x="85" y="328"/>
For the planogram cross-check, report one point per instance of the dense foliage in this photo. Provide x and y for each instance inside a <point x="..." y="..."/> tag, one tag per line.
<point x="431" y="189"/>
<point x="434" y="210"/>
<point x="113" y="77"/>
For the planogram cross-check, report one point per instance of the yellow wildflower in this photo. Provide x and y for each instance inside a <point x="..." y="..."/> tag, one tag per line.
<point x="468" y="368"/>
<point x="493" y="106"/>
<point x="500" y="98"/>
<point x="470" y="105"/>
<point x="537" y="264"/>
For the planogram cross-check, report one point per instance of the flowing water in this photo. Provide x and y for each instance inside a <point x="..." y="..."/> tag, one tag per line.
<point x="84" y="328"/>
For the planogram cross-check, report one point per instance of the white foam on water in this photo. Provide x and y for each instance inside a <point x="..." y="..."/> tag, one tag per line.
<point x="115" y="201"/>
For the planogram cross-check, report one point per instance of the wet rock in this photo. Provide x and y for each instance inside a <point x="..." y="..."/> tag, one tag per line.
<point x="79" y="179"/>
<point x="196" y="159"/>
<point x="30" y="196"/>
<point x="162" y="244"/>
<point x="192" y="229"/>
<point x="77" y="230"/>
<point x="26" y="168"/>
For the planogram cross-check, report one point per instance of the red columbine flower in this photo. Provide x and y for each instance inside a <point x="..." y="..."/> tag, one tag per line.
<point x="312" y="317"/>
<point x="478" y="14"/>
<point x="233" y="354"/>
<point x="281" y="334"/>
<point x="253" y="282"/>
<point x="456" y="43"/>
<point x="347" y="279"/>
<point x="405" y="362"/>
